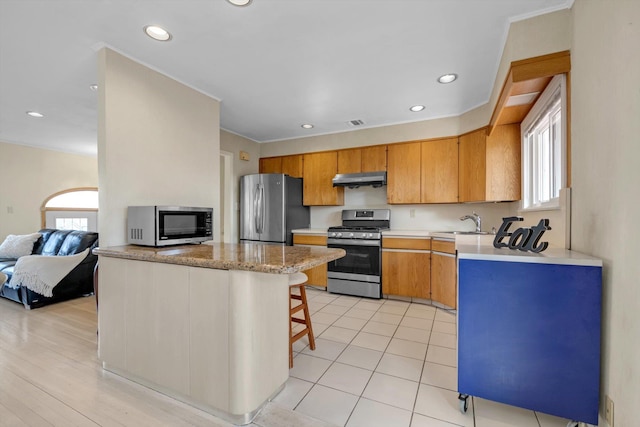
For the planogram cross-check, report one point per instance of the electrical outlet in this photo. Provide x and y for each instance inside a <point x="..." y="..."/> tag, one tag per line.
<point x="412" y="213"/>
<point x="608" y="410"/>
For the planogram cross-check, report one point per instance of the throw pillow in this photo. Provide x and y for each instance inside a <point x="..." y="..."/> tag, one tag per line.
<point x="15" y="246"/>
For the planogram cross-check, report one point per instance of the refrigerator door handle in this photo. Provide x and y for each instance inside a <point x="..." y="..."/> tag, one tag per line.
<point x="256" y="204"/>
<point x="263" y="207"/>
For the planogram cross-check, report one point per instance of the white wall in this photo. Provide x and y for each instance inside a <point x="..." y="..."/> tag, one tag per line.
<point x="606" y="175"/>
<point x="158" y="144"/>
<point x="30" y="175"/>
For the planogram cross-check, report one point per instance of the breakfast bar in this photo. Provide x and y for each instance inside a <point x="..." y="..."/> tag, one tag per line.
<point x="205" y="324"/>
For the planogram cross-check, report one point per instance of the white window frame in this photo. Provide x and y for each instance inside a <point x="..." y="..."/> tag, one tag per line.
<point x="532" y="179"/>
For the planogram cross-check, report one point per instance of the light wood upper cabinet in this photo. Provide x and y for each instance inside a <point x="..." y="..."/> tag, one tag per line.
<point x="366" y="159"/>
<point x="374" y="159"/>
<point x="290" y="165"/>
<point x="504" y="163"/>
<point x="271" y="165"/>
<point x="473" y="166"/>
<point x="490" y="166"/>
<point x="350" y="161"/>
<point x="318" y="189"/>
<point x="439" y="177"/>
<point x="403" y="176"/>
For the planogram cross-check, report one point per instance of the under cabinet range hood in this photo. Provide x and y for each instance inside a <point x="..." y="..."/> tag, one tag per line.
<point x="355" y="180"/>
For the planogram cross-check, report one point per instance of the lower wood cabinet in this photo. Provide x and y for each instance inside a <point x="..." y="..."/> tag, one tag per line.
<point x="406" y="266"/>
<point x="443" y="272"/>
<point x="317" y="275"/>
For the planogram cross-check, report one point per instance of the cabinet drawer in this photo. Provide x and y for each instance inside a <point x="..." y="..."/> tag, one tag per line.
<point x="445" y="246"/>
<point x="307" y="239"/>
<point x="405" y="243"/>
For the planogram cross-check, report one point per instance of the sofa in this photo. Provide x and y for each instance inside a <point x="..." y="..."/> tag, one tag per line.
<point x="78" y="282"/>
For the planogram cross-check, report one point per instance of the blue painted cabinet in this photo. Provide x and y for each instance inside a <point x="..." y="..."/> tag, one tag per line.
<point x="529" y="335"/>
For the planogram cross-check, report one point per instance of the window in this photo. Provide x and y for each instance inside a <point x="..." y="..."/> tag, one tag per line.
<point x="73" y="209"/>
<point x="544" y="148"/>
<point x="72" y="223"/>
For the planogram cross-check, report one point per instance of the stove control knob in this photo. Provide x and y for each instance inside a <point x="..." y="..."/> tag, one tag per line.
<point x="332" y="234"/>
<point x="370" y="235"/>
<point x="339" y="235"/>
<point x="351" y="234"/>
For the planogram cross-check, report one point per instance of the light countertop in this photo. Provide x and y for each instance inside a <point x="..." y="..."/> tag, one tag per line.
<point x="225" y="256"/>
<point x="549" y="256"/>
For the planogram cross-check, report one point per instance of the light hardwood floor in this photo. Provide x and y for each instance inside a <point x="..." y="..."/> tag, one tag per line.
<point x="50" y="376"/>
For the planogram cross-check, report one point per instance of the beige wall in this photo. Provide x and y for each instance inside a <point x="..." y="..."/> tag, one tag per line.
<point x="233" y="144"/>
<point x="606" y="174"/>
<point x="158" y="144"/>
<point x="30" y="175"/>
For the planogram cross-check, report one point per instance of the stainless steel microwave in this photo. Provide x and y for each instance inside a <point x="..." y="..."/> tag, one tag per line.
<point x="168" y="225"/>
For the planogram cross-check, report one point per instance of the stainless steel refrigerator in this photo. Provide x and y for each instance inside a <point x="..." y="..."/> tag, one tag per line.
<point x="270" y="207"/>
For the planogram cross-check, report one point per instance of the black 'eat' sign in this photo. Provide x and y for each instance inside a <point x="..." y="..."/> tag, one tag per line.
<point x="524" y="239"/>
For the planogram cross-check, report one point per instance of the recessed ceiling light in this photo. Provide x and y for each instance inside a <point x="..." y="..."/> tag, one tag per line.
<point x="417" y="108"/>
<point x="306" y="126"/>
<point x="93" y="87"/>
<point x="35" y="114"/>
<point x="239" y="2"/>
<point x="157" y="33"/>
<point x="447" y="78"/>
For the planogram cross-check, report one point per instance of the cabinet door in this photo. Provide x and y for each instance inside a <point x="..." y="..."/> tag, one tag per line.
<point x="473" y="167"/>
<point x="443" y="279"/>
<point x="317" y="275"/>
<point x="403" y="175"/>
<point x="374" y="159"/>
<point x="406" y="274"/>
<point x="319" y="170"/>
<point x="503" y="163"/>
<point x="350" y="161"/>
<point x="271" y="165"/>
<point x="440" y="171"/>
<point x="292" y="165"/>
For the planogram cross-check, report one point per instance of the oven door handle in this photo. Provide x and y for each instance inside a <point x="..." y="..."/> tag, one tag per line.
<point x="352" y="242"/>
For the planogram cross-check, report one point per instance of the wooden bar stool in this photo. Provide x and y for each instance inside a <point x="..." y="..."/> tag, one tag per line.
<point x="297" y="280"/>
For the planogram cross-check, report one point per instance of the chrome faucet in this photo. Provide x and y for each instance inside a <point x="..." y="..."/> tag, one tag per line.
<point x="476" y="220"/>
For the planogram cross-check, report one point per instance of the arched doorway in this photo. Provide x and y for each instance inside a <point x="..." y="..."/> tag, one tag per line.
<point x="71" y="209"/>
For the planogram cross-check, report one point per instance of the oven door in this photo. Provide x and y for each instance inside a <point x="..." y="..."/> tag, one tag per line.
<point x="362" y="258"/>
<point x="358" y="272"/>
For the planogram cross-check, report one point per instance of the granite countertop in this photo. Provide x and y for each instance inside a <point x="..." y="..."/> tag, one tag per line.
<point x="226" y="256"/>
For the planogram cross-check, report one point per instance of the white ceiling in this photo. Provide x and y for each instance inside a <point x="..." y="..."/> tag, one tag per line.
<point x="275" y="64"/>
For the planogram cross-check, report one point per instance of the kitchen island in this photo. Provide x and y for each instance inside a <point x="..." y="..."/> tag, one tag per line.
<point x="205" y="324"/>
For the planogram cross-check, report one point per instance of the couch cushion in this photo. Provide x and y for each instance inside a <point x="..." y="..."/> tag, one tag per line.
<point x="53" y="244"/>
<point x="77" y="241"/>
<point x="46" y="233"/>
<point x="15" y="246"/>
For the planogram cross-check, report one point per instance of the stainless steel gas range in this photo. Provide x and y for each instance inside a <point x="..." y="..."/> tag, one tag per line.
<point x="359" y="271"/>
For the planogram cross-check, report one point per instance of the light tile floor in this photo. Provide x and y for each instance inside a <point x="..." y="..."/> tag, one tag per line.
<point x="387" y="363"/>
